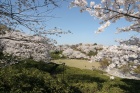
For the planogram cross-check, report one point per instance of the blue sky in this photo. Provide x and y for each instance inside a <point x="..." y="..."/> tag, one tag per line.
<point x="83" y="27"/>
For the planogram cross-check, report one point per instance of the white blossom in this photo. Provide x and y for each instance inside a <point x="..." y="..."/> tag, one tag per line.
<point x="25" y="46"/>
<point x="92" y="4"/>
<point x="112" y="77"/>
<point x="102" y="27"/>
<point x="113" y="10"/>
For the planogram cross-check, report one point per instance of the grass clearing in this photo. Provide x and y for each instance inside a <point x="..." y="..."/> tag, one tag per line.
<point x="82" y="64"/>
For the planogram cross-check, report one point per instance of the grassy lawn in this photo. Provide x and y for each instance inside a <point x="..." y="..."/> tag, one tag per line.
<point x="82" y="64"/>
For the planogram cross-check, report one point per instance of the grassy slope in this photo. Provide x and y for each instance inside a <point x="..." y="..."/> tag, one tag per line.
<point x="82" y="64"/>
<point x="29" y="76"/>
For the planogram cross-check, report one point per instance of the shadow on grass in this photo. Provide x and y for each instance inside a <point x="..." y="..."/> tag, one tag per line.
<point x="132" y="86"/>
<point x="84" y="78"/>
<point x="50" y="67"/>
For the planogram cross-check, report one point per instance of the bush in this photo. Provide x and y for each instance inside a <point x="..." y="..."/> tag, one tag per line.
<point x="91" y="53"/>
<point x="137" y="70"/>
<point x="104" y="63"/>
<point x="56" y="55"/>
<point x="30" y="76"/>
<point x="125" y="69"/>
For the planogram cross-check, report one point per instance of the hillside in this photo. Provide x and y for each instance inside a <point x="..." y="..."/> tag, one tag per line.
<point x="29" y="76"/>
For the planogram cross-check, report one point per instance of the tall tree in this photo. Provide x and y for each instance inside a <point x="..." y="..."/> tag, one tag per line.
<point x="31" y="14"/>
<point x="110" y="11"/>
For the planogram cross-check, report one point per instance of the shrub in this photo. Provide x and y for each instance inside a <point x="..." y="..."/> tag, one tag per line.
<point x="104" y="63"/>
<point x="125" y="69"/>
<point x="56" y="55"/>
<point x="137" y="70"/>
<point x="91" y="53"/>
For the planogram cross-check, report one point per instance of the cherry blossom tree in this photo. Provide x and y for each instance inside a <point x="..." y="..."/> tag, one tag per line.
<point x="110" y="11"/>
<point x="70" y="53"/>
<point x="22" y="46"/>
<point x="30" y="14"/>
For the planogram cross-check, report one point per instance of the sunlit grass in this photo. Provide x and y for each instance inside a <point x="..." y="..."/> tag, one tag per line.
<point x="82" y="64"/>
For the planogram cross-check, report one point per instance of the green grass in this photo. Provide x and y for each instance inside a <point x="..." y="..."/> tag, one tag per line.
<point x="82" y="64"/>
<point x="30" y="76"/>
